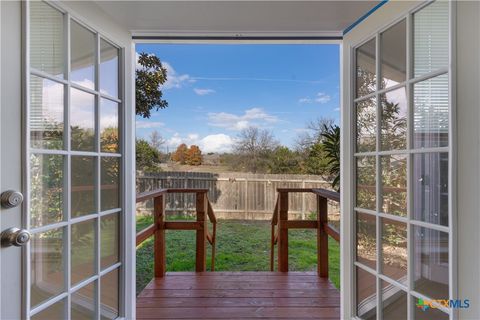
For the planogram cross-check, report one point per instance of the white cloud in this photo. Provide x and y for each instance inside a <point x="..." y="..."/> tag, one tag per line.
<point x="218" y="143"/>
<point x="142" y="124"/>
<point x="322" y="97"/>
<point x="203" y="92"/>
<point x="251" y="117"/>
<point x="337" y="109"/>
<point x="175" y="80"/>
<point x="305" y="100"/>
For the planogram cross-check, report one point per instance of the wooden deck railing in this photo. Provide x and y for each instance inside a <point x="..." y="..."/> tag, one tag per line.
<point x="157" y="229"/>
<point x="280" y="236"/>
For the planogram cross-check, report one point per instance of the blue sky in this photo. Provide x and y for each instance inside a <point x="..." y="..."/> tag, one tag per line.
<point x="214" y="91"/>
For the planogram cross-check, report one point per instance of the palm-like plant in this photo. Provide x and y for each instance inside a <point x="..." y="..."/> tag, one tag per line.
<point x="331" y="144"/>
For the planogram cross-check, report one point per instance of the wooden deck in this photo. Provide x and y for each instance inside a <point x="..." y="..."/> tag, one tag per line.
<point x="239" y="295"/>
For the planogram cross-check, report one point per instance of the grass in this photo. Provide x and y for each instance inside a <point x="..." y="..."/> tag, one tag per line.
<point x="241" y="246"/>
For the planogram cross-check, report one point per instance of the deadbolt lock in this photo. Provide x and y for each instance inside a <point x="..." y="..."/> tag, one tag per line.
<point x="15" y="237"/>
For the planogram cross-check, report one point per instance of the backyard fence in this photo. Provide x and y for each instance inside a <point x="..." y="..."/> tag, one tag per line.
<point x="234" y="195"/>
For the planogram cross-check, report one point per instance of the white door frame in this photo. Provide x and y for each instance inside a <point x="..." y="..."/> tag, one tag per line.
<point x="87" y="17"/>
<point x="371" y="28"/>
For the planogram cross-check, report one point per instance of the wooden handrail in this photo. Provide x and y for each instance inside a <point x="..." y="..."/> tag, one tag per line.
<point x="204" y="209"/>
<point x="280" y="218"/>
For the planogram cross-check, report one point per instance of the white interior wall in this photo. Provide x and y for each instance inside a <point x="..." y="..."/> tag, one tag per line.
<point x="468" y="155"/>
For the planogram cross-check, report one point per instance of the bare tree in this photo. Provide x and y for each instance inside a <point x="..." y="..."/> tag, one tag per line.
<point x="156" y="140"/>
<point x="314" y="133"/>
<point x="253" y="148"/>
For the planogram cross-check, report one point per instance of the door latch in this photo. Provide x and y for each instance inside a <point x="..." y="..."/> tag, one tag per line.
<point x="14" y="237"/>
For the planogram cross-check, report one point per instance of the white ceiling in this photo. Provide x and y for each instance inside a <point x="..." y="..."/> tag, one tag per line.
<point x="316" y="18"/>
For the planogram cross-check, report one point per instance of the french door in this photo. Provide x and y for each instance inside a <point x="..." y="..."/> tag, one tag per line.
<point x="402" y="213"/>
<point x="73" y="154"/>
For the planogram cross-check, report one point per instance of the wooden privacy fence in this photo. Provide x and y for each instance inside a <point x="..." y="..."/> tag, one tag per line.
<point x="234" y="195"/>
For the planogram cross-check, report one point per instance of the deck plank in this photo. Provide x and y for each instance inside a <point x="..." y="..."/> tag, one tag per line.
<point x="239" y="295"/>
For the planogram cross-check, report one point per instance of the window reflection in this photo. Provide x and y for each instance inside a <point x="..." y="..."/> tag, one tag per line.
<point x="430" y="188"/>
<point x="110" y="168"/>
<point x="366" y="194"/>
<point x="109" y="126"/>
<point x="431" y="112"/>
<point x="366" y="119"/>
<point x="108" y="69"/>
<point x="83" y="186"/>
<point x="82" y="120"/>
<point x="394" y="302"/>
<point x="366" y="239"/>
<point x="430" y="262"/>
<point x="83" y="302"/>
<point x="82" y="56"/>
<point x="393" y="55"/>
<point x="394" y="250"/>
<point x="394" y="120"/>
<point x="83" y="250"/>
<point x="46" y="113"/>
<point x="394" y="184"/>
<point x="366" y="74"/>
<point x="366" y="289"/>
<point x="109" y="296"/>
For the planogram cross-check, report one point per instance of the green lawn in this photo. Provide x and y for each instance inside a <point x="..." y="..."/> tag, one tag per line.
<point x="241" y="246"/>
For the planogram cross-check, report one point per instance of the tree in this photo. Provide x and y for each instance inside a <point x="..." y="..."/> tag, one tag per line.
<point x="253" y="148"/>
<point x="313" y="134"/>
<point x="156" y="140"/>
<point x="147" y="158"/>
<point x="316" y="161"/>
<point x="148" y="79"/>
<point x="193" y="156"/>
<point x="284" y="161"/>
<point x="331" y="143"/>
<point x="180" y="155"/>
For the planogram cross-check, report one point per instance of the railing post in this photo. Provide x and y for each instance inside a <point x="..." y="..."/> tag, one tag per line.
<point x="201" y="254"/>
<point x="322" y="237"/>
<point x="283" y="233"/>
<point x="159" y="236"/>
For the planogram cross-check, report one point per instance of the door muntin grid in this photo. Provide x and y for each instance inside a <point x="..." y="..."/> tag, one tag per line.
<point x="74" y="168"/>
<point x="402" y="166"/>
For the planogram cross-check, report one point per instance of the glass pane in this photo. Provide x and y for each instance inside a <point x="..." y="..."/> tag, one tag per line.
<point x="430" y="118"/>
<point x="46" y="189"/>
<point x="430" y="188"/>
<point x="83" y="303"/>
<point x="109" y="295"/>
<point x="423" y="311"/>
<point x="366" y="195"/>
<point x="430" y="38"/>
<point x="394" y="55"/>
<point x="110" y="240"/>
<point x="109" y="188"/>
<point x="366" y="72"/>
<point x="108" y="126"/>
<point x="430" y="262"/>
<point x="83" y="250"/>
<point x="108" y="69"/>
<point x="55" y="312"/>
<point x="82" y="56"/>
<point x="394" y="250"/>
<point x="366" y="240"/>
<point x="46" y="39"/>
<point x="47" y="266"/>
<point x="394" y="120"/>
<point x="46" y="113"/>
<point x="366" y="125"/>
<point x="366" y="290"/>
<point x="394" y="184"/>
<point x="394" y="302"/>
<point x="82" y="120"/>
<point x="83" y="186"/>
